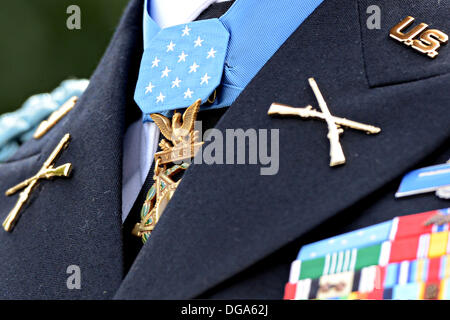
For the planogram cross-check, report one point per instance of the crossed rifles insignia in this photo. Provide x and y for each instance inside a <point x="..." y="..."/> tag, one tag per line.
<point x="181" y="145"/>
<point x="334" y="123"/>
<point x="47" y="172"/>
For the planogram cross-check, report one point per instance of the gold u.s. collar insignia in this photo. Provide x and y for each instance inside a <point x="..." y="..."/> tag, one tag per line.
<point x="334" y="123"/>
<point x="429" y="41"/>
<point x="47" y="172"/>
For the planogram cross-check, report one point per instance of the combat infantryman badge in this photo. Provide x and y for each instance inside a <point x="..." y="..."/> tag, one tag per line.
<point x="429" y="41"/>
<point x="334" y="123"/>
<point x="184" y="143"/>
<point x="47" y="172"/>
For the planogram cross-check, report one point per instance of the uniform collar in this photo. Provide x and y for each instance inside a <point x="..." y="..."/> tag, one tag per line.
<point x="164" y="14"/>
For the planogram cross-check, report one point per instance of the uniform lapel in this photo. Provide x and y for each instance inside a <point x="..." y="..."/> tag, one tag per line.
<point x="225" y="218"/>
<point x="76" y="221"/>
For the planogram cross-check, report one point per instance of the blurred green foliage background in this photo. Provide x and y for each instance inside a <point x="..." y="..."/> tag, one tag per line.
<point x="38" y="51"/>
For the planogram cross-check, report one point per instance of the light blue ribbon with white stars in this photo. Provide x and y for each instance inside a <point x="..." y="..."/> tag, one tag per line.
<point x="181" y="65"/>
<point x="184" y="63"/>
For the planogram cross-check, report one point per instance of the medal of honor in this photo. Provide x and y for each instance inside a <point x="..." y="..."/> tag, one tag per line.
<point x="180" y="144"/>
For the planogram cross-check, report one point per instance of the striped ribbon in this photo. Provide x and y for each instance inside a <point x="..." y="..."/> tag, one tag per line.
<point x="338" y="262"/>
<point x="402" y="239"/>
<point x="393" y="230"/>
<point x="378" y="282"/>
<point x="425" y="246"/>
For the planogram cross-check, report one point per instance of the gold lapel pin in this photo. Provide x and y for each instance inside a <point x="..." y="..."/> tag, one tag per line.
<point x="337" y="156"/>
<point x="55" y="117"/>
<point x="47" y="172"/>
<point x="429" y="41"/>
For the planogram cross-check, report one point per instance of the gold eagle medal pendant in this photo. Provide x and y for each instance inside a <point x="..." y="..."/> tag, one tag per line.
<point x="182" y="143"/>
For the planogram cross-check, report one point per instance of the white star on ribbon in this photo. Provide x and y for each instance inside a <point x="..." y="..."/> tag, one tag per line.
<point x="188" y="93"/>
<point x="171" y="46"/>
<point x="176" y="83"/>
<point x="182" y="57"/>
<point x="193" y="68"/>
<point x="211" y="53"/>
<point x="149" y="88"/>
<point x="155" y="63"/>
<point x="205" y="79"/>
<point x="165" y="72"/>
<point x="186" y="31"/>
<point x="160" y="98"/>
<point x="198" y="42"/>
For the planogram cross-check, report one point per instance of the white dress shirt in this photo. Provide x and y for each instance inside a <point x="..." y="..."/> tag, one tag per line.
<point x="141" y="139"/>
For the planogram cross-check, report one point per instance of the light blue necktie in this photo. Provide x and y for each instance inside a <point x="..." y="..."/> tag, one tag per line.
<point x="187" y="62"/>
